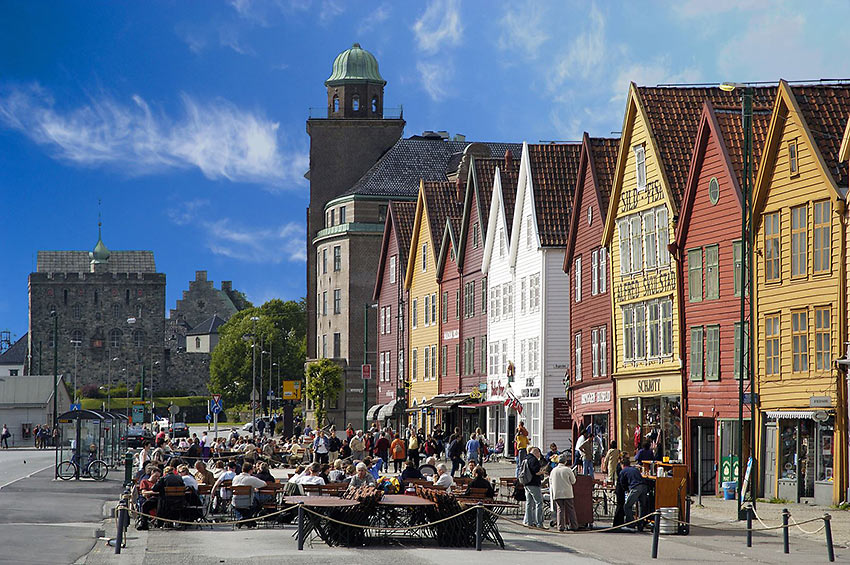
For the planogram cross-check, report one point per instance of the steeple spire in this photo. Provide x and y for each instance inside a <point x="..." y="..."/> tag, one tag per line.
<point x="101" y="252"/>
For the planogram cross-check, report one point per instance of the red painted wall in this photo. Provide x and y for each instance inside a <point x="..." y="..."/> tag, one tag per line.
<point x="475" y="326"/>
<point x="450" y="327"/>
<point x="391" y="294"/>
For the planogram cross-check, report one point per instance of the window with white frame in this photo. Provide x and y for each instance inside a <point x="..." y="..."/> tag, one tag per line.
<point x="594" y="352"/>
<point x="640" y="166"/>
<point x="663" y="236"/>
<point x="427" y="360"/>
<point x="636" y="243"/>
<point x="414" y="313"/>
<point x="393" y="261"/>
<point x="427" y="310"/>
<point x="640" y="330"/>
<point x="603" y="270"/>
<point x="534" y="354"/>
<point x="528" y="234"/>
<point x="496" y="303"/>
<point x="577" y="269"/>
<point x="534" y="292"/>
<point x="433" y="362"/>
<point x="508" y="300"/>
<point x="628" y="332"/>
<point x="666" y="327"/>
<point x="650" y="244"/>
<point x="522" y="296"/>
<point x="414" y="364"/>
<point x="381" y="366"/>
<point x="625" y="246"/>
<point x="603" y="352"/>
<point x="594" y="272"/>
<point x="503" y="243"/>
<point x="577" y="339"/>
<point x="654" y="328"/>
<point x="493" y="362"/>
<point x="504" y="356"/>
<point x="434" y="308"/>
<point x="521" y="367"/>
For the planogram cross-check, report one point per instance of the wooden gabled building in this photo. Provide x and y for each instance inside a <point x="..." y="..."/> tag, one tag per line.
<point x="591" y="388"/>
<point x="709" y="237"/>
<point x="800" y="276"/>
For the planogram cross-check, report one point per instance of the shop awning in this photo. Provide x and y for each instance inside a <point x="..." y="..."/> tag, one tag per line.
<point x="792" y="414"/>
<point x="387" y="410"/>
<point x="483" y="404"/>
<point x="372" y="414"/>
<point x="444" y="401"/>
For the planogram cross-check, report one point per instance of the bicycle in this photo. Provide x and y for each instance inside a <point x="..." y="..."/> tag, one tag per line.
<point x="96" y="469"/>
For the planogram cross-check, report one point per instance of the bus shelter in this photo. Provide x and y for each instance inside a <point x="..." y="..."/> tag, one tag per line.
<point x="81" y="438"/>
<point x="118" y="435"/>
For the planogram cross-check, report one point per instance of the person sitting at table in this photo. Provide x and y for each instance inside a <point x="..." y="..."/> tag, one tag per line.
<point x="202" y="474"/>
<point x="374" y="466"/>
<point x="443" y="479"/>
<point x="350" y="471"/>
<point x="223" y="494"/>
<point x="218" y="469"/>
<point x="244" y="506"/>
<point x="193" y="451"/>
<point x="262" y="472"/>
<point x="553" y="456"/>
<point x="362" y="476"/>
<point x="337" y="474"/>
<point x="636" y="487"/>
<point x="469" y="470"/>
<point x="645" y="453"/>
<point x="480" y="481"/>
<point x="147" y="500"/>
<point x="324" y="472"/>
<point x="311" y="476"/>
<point x="410" y="472"/>
<point x="188" y="479"/>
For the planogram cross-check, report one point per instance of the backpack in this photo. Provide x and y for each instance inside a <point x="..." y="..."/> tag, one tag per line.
<point x="525" y="474"/>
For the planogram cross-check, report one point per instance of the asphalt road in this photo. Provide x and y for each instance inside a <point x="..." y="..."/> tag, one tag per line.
<point x="16" y="464"/>
<point x="47" y="521"/>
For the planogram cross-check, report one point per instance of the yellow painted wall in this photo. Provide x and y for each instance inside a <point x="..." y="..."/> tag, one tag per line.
<point x="423" y="283"/>
<point x="789" y="389"/>
<point x="645" y="200"/>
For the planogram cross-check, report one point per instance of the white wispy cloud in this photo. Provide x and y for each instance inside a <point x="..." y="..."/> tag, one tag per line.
<point x="523" y="28"/>
<point x="706" y="9"/>
<point x="229" y="238"/>
<point x="330" y="9"/>
<point x="374" y="19"/>
<point x="439" y="26"/>
<point x="650" y="72"/>
<point x="218" y="138"/>
<point x="586" y="50"/>
<point x="435" y="78"/>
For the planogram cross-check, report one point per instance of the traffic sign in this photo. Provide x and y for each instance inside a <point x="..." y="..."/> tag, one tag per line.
<point x="76" y="406"/>
<point x="173" y="409"/>
<point x="255" y="396"/>
<point x="366" y="371"/>
<point x="291" y="390"/>
<point x="216" y="399"/>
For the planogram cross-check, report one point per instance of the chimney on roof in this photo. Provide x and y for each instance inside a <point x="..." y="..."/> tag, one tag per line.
<point x="459" y="186"/>
<point x="509" y="158"/>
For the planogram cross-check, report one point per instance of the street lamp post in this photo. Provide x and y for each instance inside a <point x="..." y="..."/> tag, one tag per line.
<point x="55" y="317"/>
<point x="76" y="343"/>
<point x="366" y="308"/>
<point x="745" y="367"/>
<point x="254" y="319"/>
<point x="109" y="384"/>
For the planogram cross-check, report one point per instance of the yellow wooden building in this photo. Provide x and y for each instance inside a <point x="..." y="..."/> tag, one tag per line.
<point x="645" y="299"/>
<point x="800" y="296"/>
<point x="437" y="200"/>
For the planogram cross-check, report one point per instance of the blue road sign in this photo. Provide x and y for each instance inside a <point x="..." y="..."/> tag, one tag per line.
<point x="76" y="406"/>
<point x="209" y="418"/>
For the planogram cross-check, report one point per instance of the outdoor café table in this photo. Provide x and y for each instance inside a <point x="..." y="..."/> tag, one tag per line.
<point x="402" y="511"/>
<point x="327" y="507"/>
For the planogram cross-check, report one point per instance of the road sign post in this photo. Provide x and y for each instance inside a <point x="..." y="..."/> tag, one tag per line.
<point x="216" y="407"/>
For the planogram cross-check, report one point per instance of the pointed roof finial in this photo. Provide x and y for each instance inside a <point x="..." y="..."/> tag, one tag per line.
<point x="101" y="252"/>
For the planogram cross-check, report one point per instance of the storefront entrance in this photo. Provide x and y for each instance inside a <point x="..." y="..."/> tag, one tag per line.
<point x="653" y="419"/>
<point x="703" y="468"/>
<point x="805" y="455"/>
<point x="600" y="424"/>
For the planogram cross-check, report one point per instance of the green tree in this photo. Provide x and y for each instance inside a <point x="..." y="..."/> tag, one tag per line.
<point x="280" y="330"/>
<point x="324" y="383"/>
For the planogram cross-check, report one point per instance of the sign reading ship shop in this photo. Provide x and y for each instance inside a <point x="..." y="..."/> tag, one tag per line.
<point x="651" y="284"/>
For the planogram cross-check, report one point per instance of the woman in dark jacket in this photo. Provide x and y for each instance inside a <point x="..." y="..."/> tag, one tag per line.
<point x="480" y="481"/>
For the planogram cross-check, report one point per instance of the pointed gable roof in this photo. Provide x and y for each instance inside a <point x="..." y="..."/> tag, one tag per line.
<point x="821" y="109"/>
<point x="437" y="201"/>
<point x="399" y="224"/>
<point x="554" y="172"/>
<point x="208" y="326"/>
<point x="599" y="154"/>
<point x="16" y="354"/>
<point x="450" y="240"/>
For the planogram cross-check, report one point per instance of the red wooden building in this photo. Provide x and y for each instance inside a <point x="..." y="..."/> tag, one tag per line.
<point x="448" y="278"/>
<point x="391" y="298"/>
<point x="591" y="388"/>
<point x="708" y="239"/>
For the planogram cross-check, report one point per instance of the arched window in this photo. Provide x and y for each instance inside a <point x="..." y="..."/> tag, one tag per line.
<point x="355" y="103"/>
<point x="336" y="103"/>
<point x="374" y="104"/>
<point x="115" y="337"/>
<point x="139" y="338"/>
<point x="77" y="336"/>
<point x="197" y="343"/>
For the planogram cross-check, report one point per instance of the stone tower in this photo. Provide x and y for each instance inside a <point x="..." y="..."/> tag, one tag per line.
<point x="343" y="146"/>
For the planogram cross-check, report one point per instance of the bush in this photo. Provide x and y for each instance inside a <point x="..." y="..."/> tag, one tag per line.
<point x="90" y="391"/>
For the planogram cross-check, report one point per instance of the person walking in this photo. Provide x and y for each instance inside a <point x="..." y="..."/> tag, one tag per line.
<point x="358" y="446"/>
<point x="610" y="462"/>
<point x="4" y="436"/>
<point x="413" y="449"/>
<point x="399" y="453"/>
<point x="561" y="481"/>
<point x="636" y="487"/>
<point x="382" y="448"/>
<point x="521" y="445"/>
<point x="473" y="449"/>
<point x="530" y="476"/>
<point x="455" y="453"/>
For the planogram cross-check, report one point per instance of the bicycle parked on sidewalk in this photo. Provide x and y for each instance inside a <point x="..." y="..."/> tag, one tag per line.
<point x="96" y="469"/>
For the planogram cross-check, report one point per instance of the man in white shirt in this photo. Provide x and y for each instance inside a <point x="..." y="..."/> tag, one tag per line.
<point x="443" y="478"/>
<point x="245" y="505"/>
<point x="311" y="476"/>
<point x="188" y="479"/>
<point x="224" y="493"/>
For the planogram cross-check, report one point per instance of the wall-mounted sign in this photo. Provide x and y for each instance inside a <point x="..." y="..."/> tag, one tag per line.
<point x="820" y="402"/>
<point x="560" y="414"/>
<point x="594" y="397"/>
<point x="649" y="385"/>
<point x="450" y="334"/>
<point x="650" y="284"/>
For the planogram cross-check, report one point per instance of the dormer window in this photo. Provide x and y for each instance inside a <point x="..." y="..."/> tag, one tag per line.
<point x="355" y="103"/>
<point x="640" y="166"/>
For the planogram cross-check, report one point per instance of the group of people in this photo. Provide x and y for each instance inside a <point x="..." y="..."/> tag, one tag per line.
<point x="41" y="436"/>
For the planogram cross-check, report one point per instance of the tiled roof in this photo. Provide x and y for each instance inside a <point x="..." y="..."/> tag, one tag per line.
<point x="732" y="130"/>
<point x="826" y="108"/>
<point x="404" y="214"/>
<point x="554" y="170"/>
<point x="673" y="114"/>
<point x="80" y="262"/>
<point x="208" y="326"/>
<point x="398" y="172"/>
<point x="16" y="354"/>
<point x="605" y="152"/>
<point x="442" y="202"/>
<point x="485" y="172"/>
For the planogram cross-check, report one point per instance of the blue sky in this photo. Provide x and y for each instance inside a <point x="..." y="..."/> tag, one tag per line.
<point x="187" y="117"/>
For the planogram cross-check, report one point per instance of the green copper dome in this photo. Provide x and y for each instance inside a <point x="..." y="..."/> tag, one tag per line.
<point x="355" y="65"/>
<point x="101" y="252"/>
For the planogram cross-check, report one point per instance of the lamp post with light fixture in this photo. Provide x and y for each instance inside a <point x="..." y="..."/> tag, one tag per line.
<point x="745" y="366"/>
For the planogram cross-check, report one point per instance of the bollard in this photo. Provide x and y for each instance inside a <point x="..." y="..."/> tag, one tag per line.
<point x="300" y="526"/>
<point x="828" y="529"/>
<point x="785" y="515"/>
<point x="656" y="533"/>
<point x="119" y="534"/>
<point x="128" y="468"/>
<point x="749" y="526"/>
<point x="479" y="526"/>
